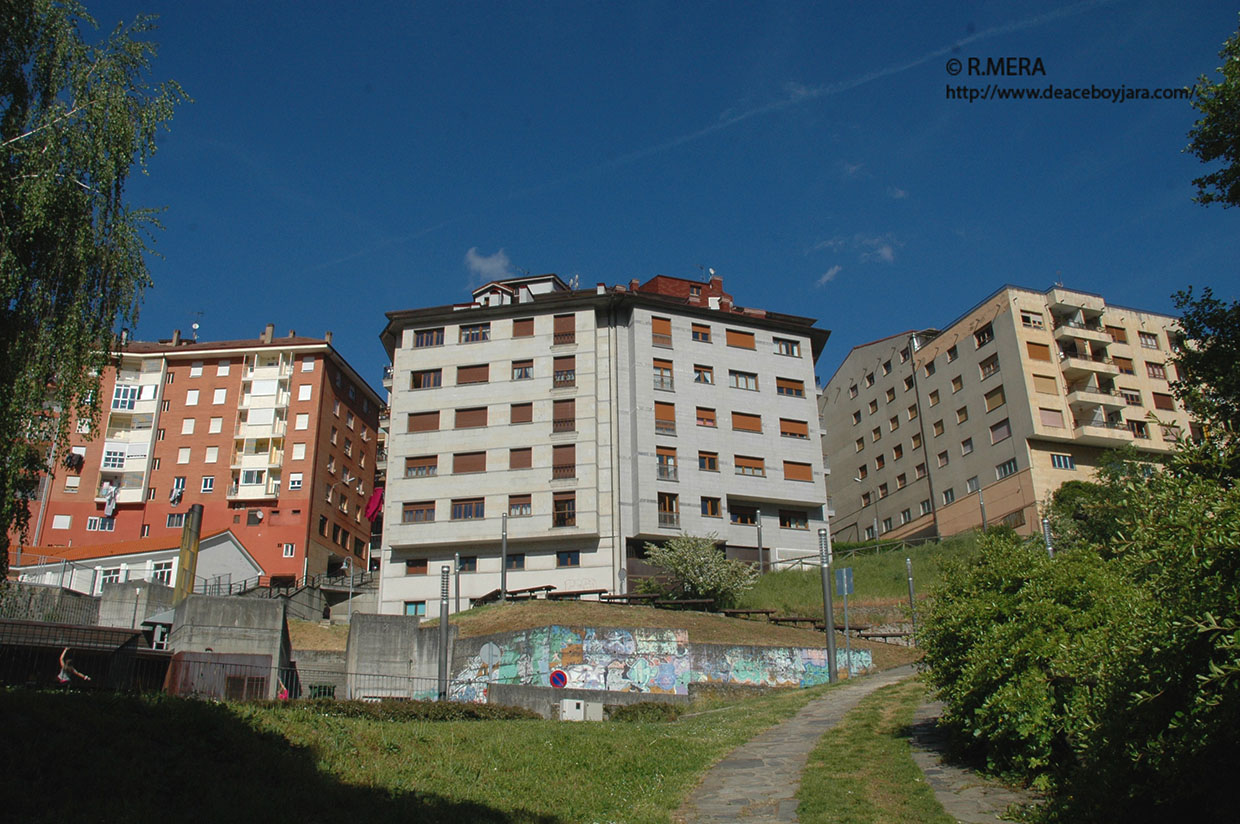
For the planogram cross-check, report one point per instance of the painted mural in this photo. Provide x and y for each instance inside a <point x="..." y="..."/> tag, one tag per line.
<point x="635" y="660"/>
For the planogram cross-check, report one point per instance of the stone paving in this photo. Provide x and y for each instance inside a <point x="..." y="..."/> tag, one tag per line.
<point x="758" y="780"/>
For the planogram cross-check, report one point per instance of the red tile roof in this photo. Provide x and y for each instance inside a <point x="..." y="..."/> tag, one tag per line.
<point x="29" y="554"/>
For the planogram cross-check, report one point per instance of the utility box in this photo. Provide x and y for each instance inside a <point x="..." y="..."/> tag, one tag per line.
<point x="572" y="709"/>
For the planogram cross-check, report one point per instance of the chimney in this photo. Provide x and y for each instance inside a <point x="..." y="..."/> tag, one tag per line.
<point x="292" y="333"/>
<point x="268" y="333"/>
<point x="633" y="284"/>
<point x="716" y="283"/>
<point x="327" y="336"/>
<point x="176" y="337"/>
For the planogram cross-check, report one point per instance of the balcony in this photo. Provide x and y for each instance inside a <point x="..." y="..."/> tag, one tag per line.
<point x="564" y="425"/>
<point x="255" y="492"/>
<point x="1078" y="330"/>
<point x="258" y="460"/>
<point x="275" y="429"/>
<point x="1086" y="395"/>
<point x="563" y="338"/>
<point x="1080" y="364"/>
<point x="1065" y="301"/>
<point x="381" y="460"/>
<point x="668" y="473"/>
<point x="665" y="427"/>
<point x="669" y="520"/>
<point x="1101" y="433"/>
<point x="563" y="472"/>
<point x="385" y="418"/>
<point x="387" y="377"/>
<point x="662" y="341"/>
<point x="664" y="382"/>
<point x="564" y="377"/>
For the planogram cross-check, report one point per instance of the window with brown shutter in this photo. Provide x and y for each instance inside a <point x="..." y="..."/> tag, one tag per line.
<point x="521" y="413"/>
<point x="423" y="421"/>
<point x="700" y="332"/>
<point x="471" y="418"/>
<point x="565" y="373"/>
<point x="565" y="329"/>
<point x="789" y="428"/>
<point x="478" y="373"/>
<point x="1124" y="364"/>
<point x="563" y="461"/>
<point x="523" y="328"/>
<point x="415" y="566"/>
<point x="1051" y="417"/>
<point x="1162" y="401"/>
<point x="564" y="416"/>
<point x="705" y="416"/>
<point x="564" y="513"/>
<point x="791" y="388"/>
<point x="741" y="340"/>
<point x="1038" y="351"/>
<point x="1045" y="384"/>
<point x="794" y="471"/>
<point x="421" y="466"/>
<point x="745" y="422"/>
<point x="995" y="398"/>
<point x="749" y="466"/>
<point x="469" y="462"/>
<point x="521" y="458"/>
<point x="665" y="418"/>
<point x="661" y="331"/>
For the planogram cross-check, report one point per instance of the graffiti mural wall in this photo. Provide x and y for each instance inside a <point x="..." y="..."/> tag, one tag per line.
<point x="630" y="660"/>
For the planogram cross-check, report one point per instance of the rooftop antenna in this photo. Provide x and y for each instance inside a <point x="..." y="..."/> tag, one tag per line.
<point x="574" y="282"/>
<point x="194" y="325"/>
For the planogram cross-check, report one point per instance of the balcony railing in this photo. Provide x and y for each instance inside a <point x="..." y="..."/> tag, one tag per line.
<point x="667" y="473"/>
<point x="560" y="472"/>
<point x="562" y="338"/>
<point x="661" y="340"/>
<point x="664" y="382"/>
<point x="1076" y="324"/>
<point x="565" y="377"/>
<point x="669" y="519"/>
<point x="665" y="427"/>
<point x="564" y="425"/>
<point x="566" y="517"/>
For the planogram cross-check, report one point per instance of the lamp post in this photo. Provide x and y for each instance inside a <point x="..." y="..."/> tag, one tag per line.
<point x="349" y="561"/>
<point x="758" y="522"/>
<point x="981" y="502"/>
<point x="503" y="557"/>
<point x="828" y="608"/>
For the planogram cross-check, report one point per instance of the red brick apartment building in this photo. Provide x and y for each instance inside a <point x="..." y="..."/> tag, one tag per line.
<point x="275" y="437"/>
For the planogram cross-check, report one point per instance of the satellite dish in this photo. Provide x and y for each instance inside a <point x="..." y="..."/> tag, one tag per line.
<point x="258" y="516"/>
<point x="712" y="274"/>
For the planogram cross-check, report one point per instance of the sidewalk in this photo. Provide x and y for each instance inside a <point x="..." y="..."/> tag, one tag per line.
<point x="758" y="780"/>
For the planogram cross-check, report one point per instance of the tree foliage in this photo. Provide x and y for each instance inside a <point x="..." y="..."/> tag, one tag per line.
<point x="75" y="118"/>
<point x="1216" y="135"/>
<point x="697" y="568"/>
<point x="1209" y="382"/>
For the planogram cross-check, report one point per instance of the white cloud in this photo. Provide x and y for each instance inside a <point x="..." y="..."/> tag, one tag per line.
<point x="852" y="170"/>
<point x="896" y="193"/>
<point x="486" y="268"/>
<point x="829" y="275"/>
<point x="883" y="253"/>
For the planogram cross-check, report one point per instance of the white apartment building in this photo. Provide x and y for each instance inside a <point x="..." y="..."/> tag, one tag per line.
<point x="583" y="424"/>
<point x="928" y="432"/>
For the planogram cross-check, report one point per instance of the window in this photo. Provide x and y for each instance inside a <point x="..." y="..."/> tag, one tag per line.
<point x="568" y="558"/>
<point x="467" y="509"/>
<point x="1139" y="429"/>
<point x="663" y="378"/>
<point x="891" y="395"/>
<point x="470" y="418"/>
<point x="182" y="456"/>
<point x="901" y="481"/>
<point x="564" y="513"/>
<point x="522" y="370"/>
<point x="710" y="508"/>
<point x="564" y="415"/>
<point x="1006" y="468"/>
<point x="252" y="477"/>
<point x="794" y="471"/>
<point x="972" y="485"/>
<point x="1045" y="384"/>
<point x="465" y="462"/>
<point x="1117" y="333"/>
<point x="789" y="428"/>
<point x="74" y="482"/>
<point x="661" y="332"/>
<point x="669" y="509"/>
<point x="164" y="406"/>
<point x="893" y="423"/>
<point x="516" y="560"/>
<point x="564" y="330"/>
<point x="469" y="563"/>
<point x="222" y="368"/>
<point x="191" y="397"/>
<point x="984" y="335"/>
<point x="930" y="369"/>
<point x="1124" y="364"/>
<point x="862" y="472"/>
<point x="523" y="328"/>
<point x="739" y="339"/>
<point x="97" y="524"/>
<point x="521" y="413"/>
<point x="916" y="440"/>
<point x="705" y="416"/>
<point x="422" y="466"/>
<point x="115" y="458"/>
<point x="220" y="396"/>
<point x="1131" y="396"/>
<point x="664" y="418"/>
<point x="919" y="471"/>
<point x="187" y="426"/>
<point x="792" y="348"/>
<point x="745" y="422"/>
<point x="1162" y="401"/>
<point x="1034" y="320"/>
<point x="700" y="332"/>
<point x="124" y="397"/>
<point x="299" y="451"/>
<point x="564" y="371"/>
<point x="520" y="458"/>
<point x="949" y="495"/>
<point x="334" y="435"/>
<point x="519" y="506"/>
<point x="703" y="374"/>
<point x="904" y="355"/>
<point x="742" y="380"/>
<point x="175" y="520"/>
<point x="952" y="354"/>
<point x="1000" y="431"/>
<point x="563" y="461"/>
<point x="208" y="484"/>
<point x="897" y="452"/>
<point x="873" y="407"/>
<point x="852" y="391"/>
<point x="876" y="433"/>
<point x="417" y="512"/>
<point x="427" y="337"/>
<point x="912" y="412"/>
<point x="966" y="446"/>
<point x="869" y="533"/>
<point x="934" y="398"/>
<point x="938" y="428"/>
<point x="926" y="507"/>
<point x="908" y="384"/>
<point x="294" y="481"/>
<point x="906" y="515"/>
<point x="856" y="417"/>
<point x="475" y="332"/>
<point x="750" y="466"/>
<point x="415" y="608"/>
<point x="302" y="421"/>
<point x="791" y="388"/>
<point x="429" y="378"/>
<point x="1148" y="340"/>
<point x="1038" y="351"/>
<point x="416" y="566"/>
<point x="743" y="515"/>
<point x="476" y="373"/>
<point x="1156" y="371"/>
<point x="943" y="458"/>
<point x="1062" y="461"/>
<point x="793" y="519"/>
<point x="869" y="379"/>
<point x="989" y="366"/>
<point x="708" y="461"/>
<point x="860" y="442"/>
<point x="887" y="367"/>
<point x="962" y="414"/>
<point x="995" y="398"/>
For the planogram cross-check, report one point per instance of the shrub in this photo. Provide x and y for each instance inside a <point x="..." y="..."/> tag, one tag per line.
<point x="697" y="568"/>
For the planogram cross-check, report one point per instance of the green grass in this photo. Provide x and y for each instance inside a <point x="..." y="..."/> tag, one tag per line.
<point x="862" y="771"/>
<point x="94" y="757"/>
<point x="877" y="579"/>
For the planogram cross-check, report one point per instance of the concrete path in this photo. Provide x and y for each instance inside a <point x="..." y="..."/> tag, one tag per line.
<point x="758" y="780"/>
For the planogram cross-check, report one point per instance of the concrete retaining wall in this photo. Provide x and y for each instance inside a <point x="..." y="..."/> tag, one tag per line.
<point x="128" y="604"/>
<point x="233" y="625"/>
<point x="44" y="602"/>
<point x="393" y="656"/>
<point x="546" y="701"/>
<point x="321" y="673"/>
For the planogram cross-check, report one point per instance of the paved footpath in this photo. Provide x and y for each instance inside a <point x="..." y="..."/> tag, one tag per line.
<point x="758" y="780"/>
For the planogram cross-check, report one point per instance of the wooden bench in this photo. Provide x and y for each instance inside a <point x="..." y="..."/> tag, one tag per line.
<point x="703" y="604"/>
<point x="628" y="598"/>
<point x="573" y="594"/>
<point x="532" y="592"/>
<point x="745" y="613"/>
<point x="796" y="620"/>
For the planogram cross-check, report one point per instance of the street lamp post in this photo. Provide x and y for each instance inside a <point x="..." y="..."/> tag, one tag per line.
<point x="828" y="608"/>
<point x="503" y="557"/>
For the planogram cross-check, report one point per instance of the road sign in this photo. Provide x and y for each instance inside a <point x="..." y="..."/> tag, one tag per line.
<point x="559" y="679"/>
<point x="843" y="581"/>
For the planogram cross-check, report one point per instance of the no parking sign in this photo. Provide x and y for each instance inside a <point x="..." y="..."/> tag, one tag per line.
<point x="559" y="679"/>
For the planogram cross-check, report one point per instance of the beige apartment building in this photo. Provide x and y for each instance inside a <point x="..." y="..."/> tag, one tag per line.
<point x="931" y="431"/>
<point x="581" y="424"/>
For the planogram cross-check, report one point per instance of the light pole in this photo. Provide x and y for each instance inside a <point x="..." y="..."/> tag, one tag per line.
<point x="981" y="502"/>
<point x="349" y="561"/>
<point x="828" y="608"/>
<point x="503" y="556"/>
<point x="758" y="522"/>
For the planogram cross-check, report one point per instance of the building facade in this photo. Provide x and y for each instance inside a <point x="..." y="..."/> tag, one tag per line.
<point x="275" y="437"/>
<point x="930" y="432"/>
<point x="574" y="426"/>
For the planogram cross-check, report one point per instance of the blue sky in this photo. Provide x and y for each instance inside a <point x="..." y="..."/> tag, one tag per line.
<point x="345" y="160"/>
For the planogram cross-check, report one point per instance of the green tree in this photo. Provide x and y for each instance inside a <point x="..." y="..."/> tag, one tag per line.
<point x="1216" y="135"/>
<point x="75" y="118"/>
<point x="697" y="568"/>
<point x="1208" y="381"/>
